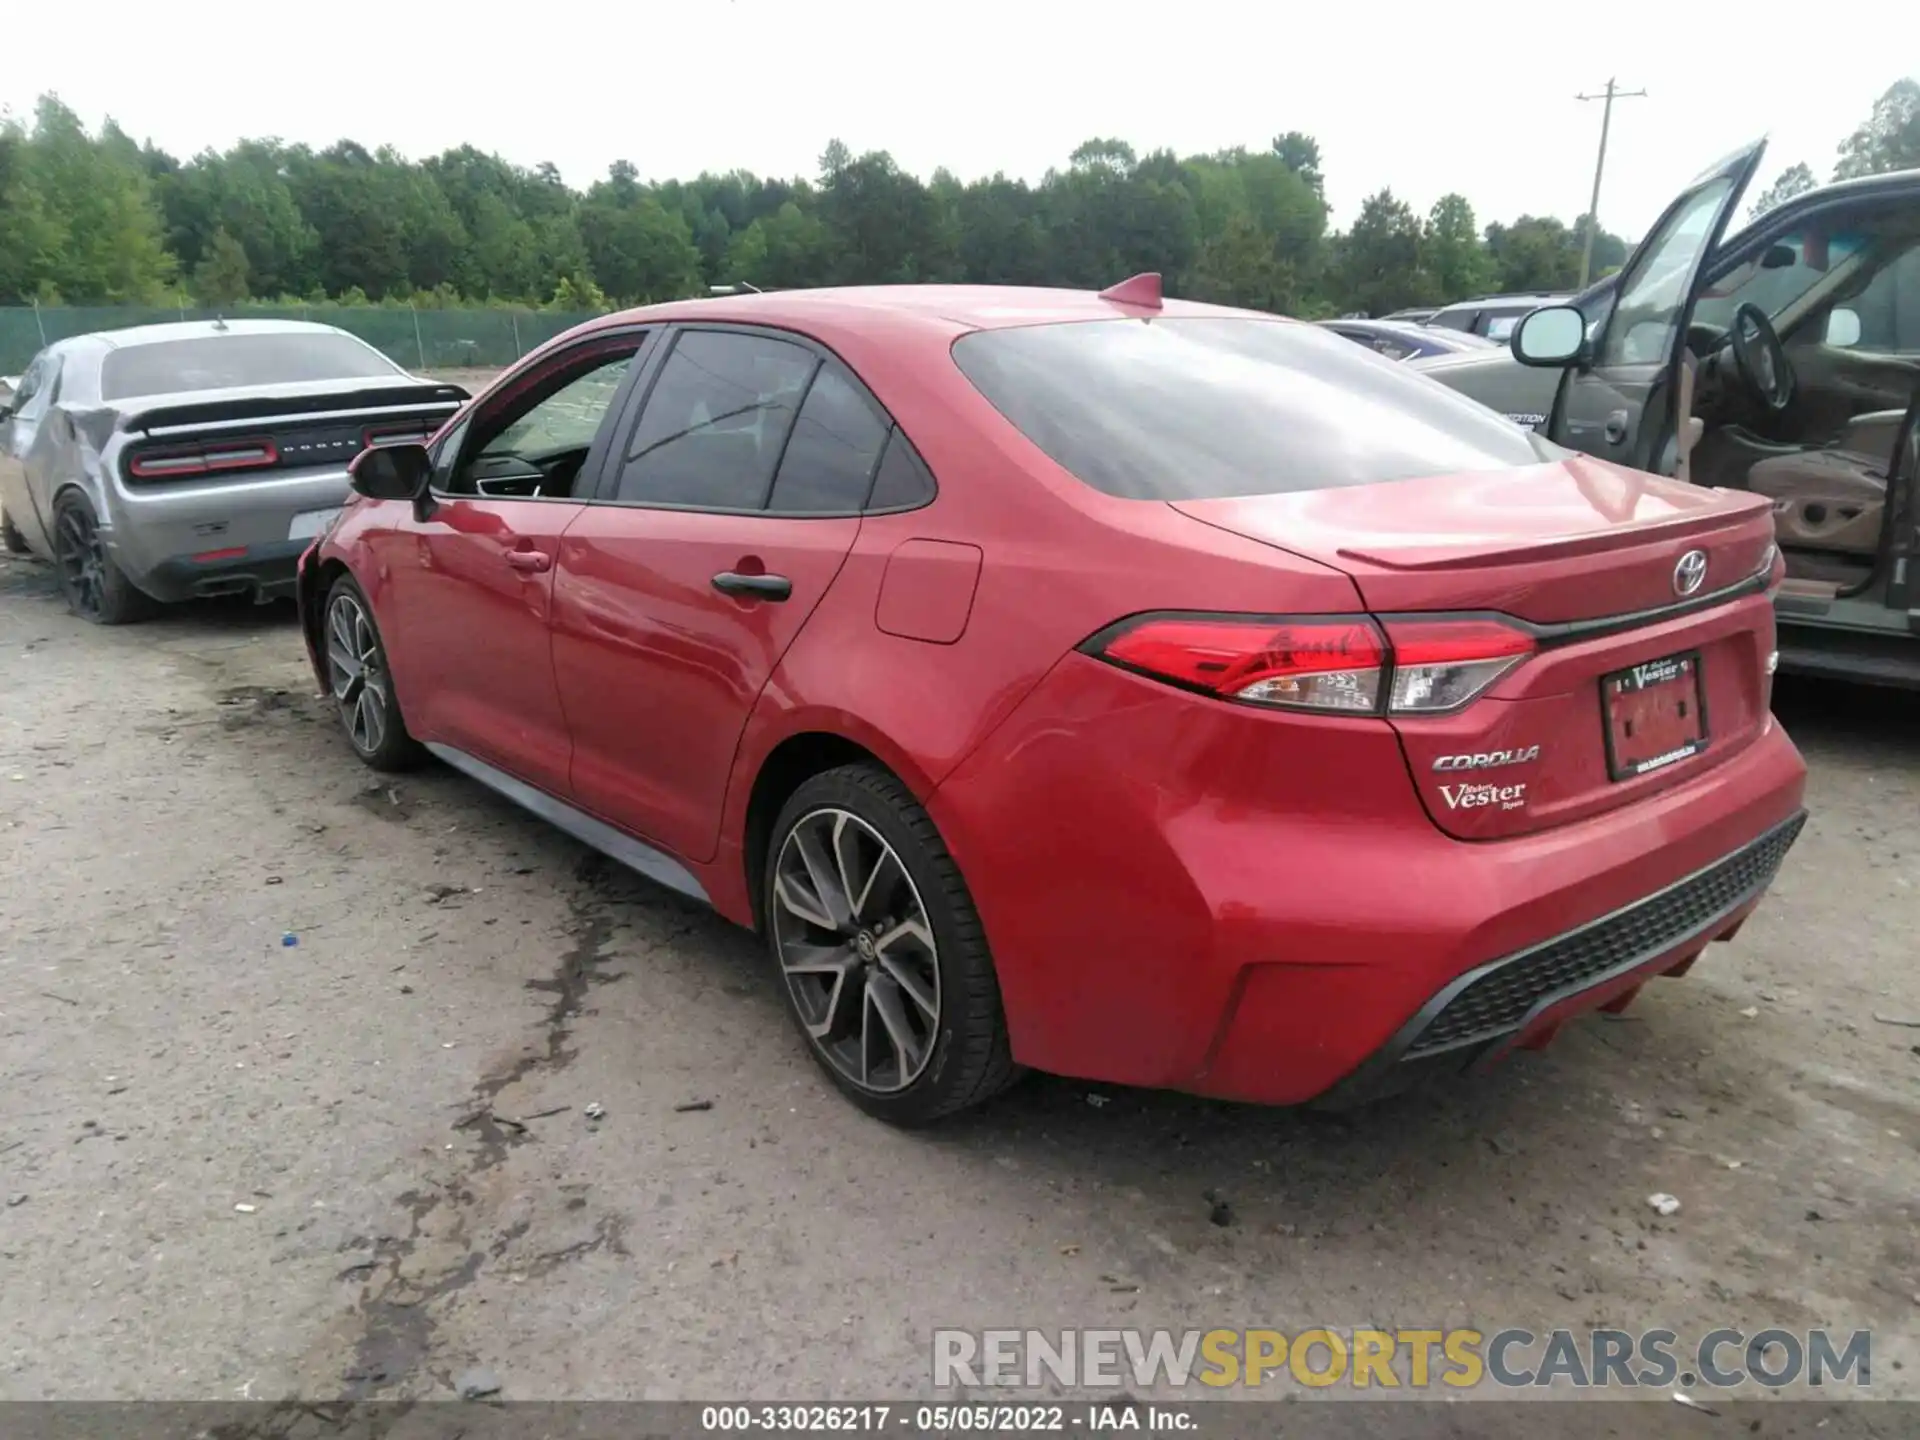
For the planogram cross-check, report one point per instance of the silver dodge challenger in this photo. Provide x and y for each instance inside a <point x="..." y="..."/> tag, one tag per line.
<point x="164" y="462"/>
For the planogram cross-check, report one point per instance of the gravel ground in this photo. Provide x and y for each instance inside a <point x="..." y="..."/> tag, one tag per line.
<point x="237" y="1166"/>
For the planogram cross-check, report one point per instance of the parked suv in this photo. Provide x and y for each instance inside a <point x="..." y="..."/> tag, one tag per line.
<point x="1784" y="361"/>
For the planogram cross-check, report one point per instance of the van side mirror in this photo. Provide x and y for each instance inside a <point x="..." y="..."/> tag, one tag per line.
<point x="1843" y="327"/>
<point x="1779" y="257"/>
<point x="1553" y="335"/>
<point x="391" y="472"/>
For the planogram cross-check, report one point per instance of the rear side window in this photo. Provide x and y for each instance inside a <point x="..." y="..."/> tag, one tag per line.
<point x="223" y="362"/>
<point x="903" y="481"/>
<point x="716" y="422"/>
<point x="1195" y="408"/>
<point x="828" y="467"/>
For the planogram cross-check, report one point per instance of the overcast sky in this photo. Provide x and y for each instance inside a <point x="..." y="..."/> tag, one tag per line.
<point x="1425" y="97"/>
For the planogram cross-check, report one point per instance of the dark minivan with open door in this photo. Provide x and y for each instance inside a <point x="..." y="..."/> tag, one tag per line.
<point x="1786" y="361"/>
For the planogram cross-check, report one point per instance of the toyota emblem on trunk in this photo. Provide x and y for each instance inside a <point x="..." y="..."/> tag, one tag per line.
<point x="1690" y="573"/>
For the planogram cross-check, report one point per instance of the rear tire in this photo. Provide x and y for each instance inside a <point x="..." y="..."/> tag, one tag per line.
<point x="15" y="542"/>
<point x="96" y="588"/>
<point x="361" y="683"/>
<point x="882" y="958"/>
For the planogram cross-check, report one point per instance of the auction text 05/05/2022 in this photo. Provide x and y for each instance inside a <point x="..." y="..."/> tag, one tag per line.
<point x="941" y="1419"/>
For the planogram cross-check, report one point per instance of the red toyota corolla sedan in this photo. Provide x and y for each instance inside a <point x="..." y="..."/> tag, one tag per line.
<point x="1136" y="690"/>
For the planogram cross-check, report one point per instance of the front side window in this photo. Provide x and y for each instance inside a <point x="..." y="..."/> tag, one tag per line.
<point x="30" y="398"/>
<point x="227" y="362"/>
<point x="1190" y="408"/>
<point x="716" y="422"/>
<point x="1646" y="320"/>
<point x="565" y="420"/>
<point x="534" y="442"/>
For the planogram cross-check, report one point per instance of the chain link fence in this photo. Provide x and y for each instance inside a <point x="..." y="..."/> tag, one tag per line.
<point x="416" y="339"/>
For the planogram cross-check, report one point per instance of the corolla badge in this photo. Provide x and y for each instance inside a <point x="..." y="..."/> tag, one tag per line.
<point x="1690" y="572"/>
<point x="1489" y="759"/>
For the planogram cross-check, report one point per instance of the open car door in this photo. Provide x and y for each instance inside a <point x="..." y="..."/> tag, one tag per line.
<point x="1621" y="402"/>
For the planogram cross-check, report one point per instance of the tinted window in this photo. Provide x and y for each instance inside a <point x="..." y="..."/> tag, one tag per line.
<point x="1191" y="408"/>
<point x="716" y="422"/>
<point x="221" y="362"/>
<point x="829" y="462"/>
<point x="904" y="480"/>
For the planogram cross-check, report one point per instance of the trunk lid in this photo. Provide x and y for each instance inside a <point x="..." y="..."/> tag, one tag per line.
<point x="1588" y="557"/>
<point x="256" y="433"/>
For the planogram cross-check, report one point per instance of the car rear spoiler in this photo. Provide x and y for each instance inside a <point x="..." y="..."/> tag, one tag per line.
<point x="254" y="409"/>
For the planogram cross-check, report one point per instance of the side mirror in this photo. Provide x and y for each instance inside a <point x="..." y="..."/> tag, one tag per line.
<point x="1553" y="335"/>
<point x="1843" y="327"/>
<point x="1779" y="257"/>
<point x="391" y="472"/>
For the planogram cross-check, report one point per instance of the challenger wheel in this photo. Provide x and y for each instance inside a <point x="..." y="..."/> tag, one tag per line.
<point x="882" y="957"/>
<point x="361" y="684"/>
<point x="96" y="588"/>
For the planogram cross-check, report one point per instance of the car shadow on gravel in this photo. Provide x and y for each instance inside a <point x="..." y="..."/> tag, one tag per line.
<point x="1823" y="714"/>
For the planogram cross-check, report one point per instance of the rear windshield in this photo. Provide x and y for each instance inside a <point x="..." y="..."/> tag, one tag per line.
<point x="222" y="362"/>
<point x="1190" y="409"/>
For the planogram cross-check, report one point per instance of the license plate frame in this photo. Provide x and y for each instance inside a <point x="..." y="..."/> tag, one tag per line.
<point x="1678" y="675"/>
<point x="309" y="523"/>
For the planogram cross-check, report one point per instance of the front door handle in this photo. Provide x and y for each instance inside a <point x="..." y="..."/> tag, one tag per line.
<point x="1616" y="427"/>
<point x="758" y="587"/>
<point x="531" y="561"/>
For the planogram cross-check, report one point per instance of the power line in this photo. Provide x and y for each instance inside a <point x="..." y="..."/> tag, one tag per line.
<point x="1610" y="94"/>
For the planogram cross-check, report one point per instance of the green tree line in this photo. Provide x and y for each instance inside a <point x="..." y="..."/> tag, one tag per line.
<point x="100" y="219"/>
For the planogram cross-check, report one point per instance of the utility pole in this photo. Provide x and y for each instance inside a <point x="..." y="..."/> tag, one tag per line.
<point x="1610" y="94"/>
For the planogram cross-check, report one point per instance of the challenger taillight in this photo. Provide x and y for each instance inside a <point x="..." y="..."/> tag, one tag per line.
<point x="203" y="459"/>
<point x="1344" y="663"/>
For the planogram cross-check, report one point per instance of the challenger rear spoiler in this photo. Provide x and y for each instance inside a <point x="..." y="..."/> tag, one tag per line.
<point x="253" y="410"/>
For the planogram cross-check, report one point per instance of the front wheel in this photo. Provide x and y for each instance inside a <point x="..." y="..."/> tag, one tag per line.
<point x="881" y="954"/>
<point x="362" y="685"/>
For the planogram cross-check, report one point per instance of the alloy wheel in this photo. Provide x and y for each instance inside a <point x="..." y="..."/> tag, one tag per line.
<point x="358" y="680"/>
<point x="83" y="560"/>
<point x="856" y="950"/>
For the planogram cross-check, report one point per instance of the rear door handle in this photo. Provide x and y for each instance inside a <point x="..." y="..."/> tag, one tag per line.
<point x="760" y="587"/>
<point x="1616" y="427"/>
<point x="532" y="561"/>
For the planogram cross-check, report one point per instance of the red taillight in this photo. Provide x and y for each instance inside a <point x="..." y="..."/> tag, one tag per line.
<point x="203" y="459"/>
<point x="1440" y="665"/>
<point x="1328" y="663"/>
<point x="1333" y="663"/>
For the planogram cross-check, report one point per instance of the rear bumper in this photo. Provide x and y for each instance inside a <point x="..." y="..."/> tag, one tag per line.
<point x="266" y="572"/>
<point x="1523" y="999"/>
<point x="178" y="541"/>
<point x="1256" y="905"/>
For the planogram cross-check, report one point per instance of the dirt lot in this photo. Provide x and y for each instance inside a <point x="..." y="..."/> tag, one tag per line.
<point x="237" y="1166"/>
